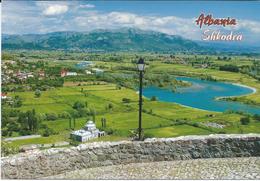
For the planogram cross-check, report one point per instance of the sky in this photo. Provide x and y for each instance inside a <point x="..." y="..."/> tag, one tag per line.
<point x="171" y="17"/>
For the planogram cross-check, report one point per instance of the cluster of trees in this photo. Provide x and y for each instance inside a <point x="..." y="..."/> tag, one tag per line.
<point x="230" y="68"/>
<point x="23" y="122"/>
<point x="81" y="109"/>
<point x="14" y="102"/>
<point x="253" y="70"/>
<point x="245" y="120"/>
<point x="224" y="58"/>
<point x="54" y="82"/>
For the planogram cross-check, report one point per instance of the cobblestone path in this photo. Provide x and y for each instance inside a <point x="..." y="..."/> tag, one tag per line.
<point x="220" y="168"/>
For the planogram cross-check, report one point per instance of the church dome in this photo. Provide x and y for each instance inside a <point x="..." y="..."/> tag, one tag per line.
<point x="90" y="125"/>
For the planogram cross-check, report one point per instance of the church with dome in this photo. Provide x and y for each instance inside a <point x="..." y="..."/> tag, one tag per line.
<point x="88" y="132"/>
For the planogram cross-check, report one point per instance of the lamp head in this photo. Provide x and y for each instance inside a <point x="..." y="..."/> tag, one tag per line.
<point x="140" y="64"/>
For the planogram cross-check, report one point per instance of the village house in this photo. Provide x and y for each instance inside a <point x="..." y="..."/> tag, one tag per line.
<point x="72" y="73"/>
<point x="23" y="75"/>
<point x="65" y="73"/>
<point x="88" y="132"/>
<point x="3" y="95"/>
<point x="10" y="62"/>
<point x="41" y="73"/>
<point x="98" y="71"/>
<point x="88" y="72"/>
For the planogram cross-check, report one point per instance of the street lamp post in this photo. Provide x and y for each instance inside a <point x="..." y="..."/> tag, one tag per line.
<point x="140" y="66"/>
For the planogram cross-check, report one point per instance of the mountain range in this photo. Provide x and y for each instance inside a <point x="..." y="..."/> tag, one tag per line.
<point x="101" y="40"/>
<point x="125" y="39"/>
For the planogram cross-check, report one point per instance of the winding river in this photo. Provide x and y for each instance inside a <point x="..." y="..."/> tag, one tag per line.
<point x="202" y="95"/>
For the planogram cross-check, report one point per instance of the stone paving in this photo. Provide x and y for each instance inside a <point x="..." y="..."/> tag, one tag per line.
<point x="213" y="168"/>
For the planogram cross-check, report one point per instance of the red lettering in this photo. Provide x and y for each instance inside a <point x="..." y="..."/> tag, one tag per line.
<point x="209" y="20"/>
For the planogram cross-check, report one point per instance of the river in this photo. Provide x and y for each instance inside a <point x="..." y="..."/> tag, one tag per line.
<point x="202" y="95"/>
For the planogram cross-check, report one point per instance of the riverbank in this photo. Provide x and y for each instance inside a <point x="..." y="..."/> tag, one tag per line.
<point x="241" y="85"/>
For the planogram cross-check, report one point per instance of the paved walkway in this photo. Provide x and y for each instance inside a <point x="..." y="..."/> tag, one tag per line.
<point x="22" y="137"/>
<point x="221" y="168"/>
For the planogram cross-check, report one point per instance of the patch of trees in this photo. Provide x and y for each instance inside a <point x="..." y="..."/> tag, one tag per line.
<point x="24" y="123"/>
<point x="29" y="121"/>
<point x="245" y="120"/>
<point x="56" y="82"/>
<point x="224" y="58"/>
<point x="81" y="109"/>
<point x="229" y="68"/>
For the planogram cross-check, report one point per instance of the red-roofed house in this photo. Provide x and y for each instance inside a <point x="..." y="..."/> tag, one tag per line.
<point x="63" y="73"/>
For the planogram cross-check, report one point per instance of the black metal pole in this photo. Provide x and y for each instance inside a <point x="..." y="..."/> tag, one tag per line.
<point x="140" y="105"/>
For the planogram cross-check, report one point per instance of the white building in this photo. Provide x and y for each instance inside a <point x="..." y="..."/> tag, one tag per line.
<point x="88" y="72"/>
<point x="98" y="71"/>
<point x="88" y="132"/>
<point x="72" y="73"/>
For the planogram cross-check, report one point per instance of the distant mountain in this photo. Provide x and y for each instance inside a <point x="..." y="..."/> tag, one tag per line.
<point x="102" y="40"/>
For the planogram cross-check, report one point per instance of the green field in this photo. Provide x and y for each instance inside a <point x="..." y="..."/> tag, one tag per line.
<point x="123" y="117"/>
<point x="160" y="119"/>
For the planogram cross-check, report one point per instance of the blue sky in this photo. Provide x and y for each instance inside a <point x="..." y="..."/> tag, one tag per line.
<point x="171" y="17"/>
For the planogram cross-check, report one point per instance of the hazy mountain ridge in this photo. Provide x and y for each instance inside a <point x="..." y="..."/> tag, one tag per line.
<point x="101" y="40"/>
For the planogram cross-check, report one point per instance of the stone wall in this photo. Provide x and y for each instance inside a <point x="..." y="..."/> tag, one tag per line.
<point x="59" y="160"/>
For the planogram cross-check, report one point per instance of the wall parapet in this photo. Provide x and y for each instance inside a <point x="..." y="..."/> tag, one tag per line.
<point x="55" y="161"/>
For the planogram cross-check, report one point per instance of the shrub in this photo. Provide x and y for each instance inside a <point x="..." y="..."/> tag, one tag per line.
<point x="8" y="149"/>
<point x="24" y="132"/>
<point x="110" y="106"/>
<point x="47" y="132"/>
<point x="153" y="98"/>
<point x="37" y="93"/>
<point x="148" y="135"/>
<point x="245" y="120"/>
<point x="222" y="132"/>
<point x="195" y="124"/>
<point x="51" y="116"/>
<point x="78" y="105"/>
<point x="109" y="131"/>
<point x="64" y="115"/>
<point x="13" y="126"/>
<point x="4" y="132"/>
<point x="126" y="100"/>
<point x="83" y="112"/>
<point x="74" y="143"/>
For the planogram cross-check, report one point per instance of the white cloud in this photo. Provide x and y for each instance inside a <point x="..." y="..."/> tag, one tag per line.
<point x="86" y="5"/>
<point x="24" y="17"/>
<point x="169" y="24"/>
<point x="55" y="9"/>
<point x="253" y="26"/>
